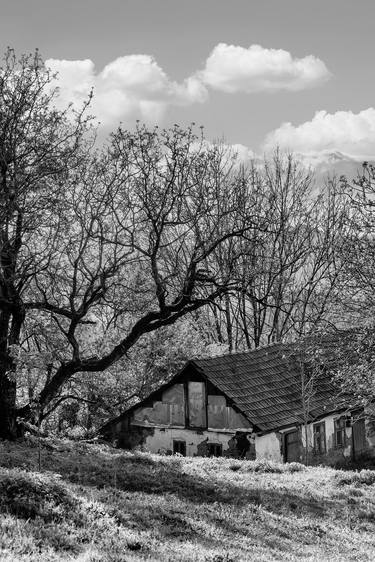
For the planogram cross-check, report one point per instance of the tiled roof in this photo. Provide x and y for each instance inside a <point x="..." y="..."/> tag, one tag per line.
<point x="266" y="384"/>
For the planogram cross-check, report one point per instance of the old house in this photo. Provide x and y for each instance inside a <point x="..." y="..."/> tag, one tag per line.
<point x="264" y="403"/>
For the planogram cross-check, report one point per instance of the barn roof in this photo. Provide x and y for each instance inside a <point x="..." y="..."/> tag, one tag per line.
<point x="266" y="383"/>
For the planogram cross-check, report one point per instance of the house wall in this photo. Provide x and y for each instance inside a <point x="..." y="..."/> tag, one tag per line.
<point x="333" y="454"/>
<point x="154" y="426"/>
<point x="161" y="441"/>
<point x="272" y="446"/>
<point x="170" y="410"/>
<point x="370" y="427"/>
<point x="269" y="447"/>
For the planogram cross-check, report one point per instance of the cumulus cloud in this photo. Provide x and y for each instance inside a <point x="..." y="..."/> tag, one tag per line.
<point x="135" y="86"/>
<point x="231" y="69"/>
<point x="240" y="152"/>
<point x="131" y="86"/>
<point x="352" y="134"/>
<point x="243" y="153"/>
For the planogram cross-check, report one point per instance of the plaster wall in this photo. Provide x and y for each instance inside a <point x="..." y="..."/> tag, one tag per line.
<point x="161" y="441"/>
<point x="333" y="455"/>
<point x="330" y="436"/>
<point x="370" y="428"/>
<point x="269" y="446"/>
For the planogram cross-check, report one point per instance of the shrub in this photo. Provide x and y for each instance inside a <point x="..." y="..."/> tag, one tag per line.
<point x="235" y="467"/>
<point x="363" y="477"/>
<point x="31" y="495"/>
<point x="263" y="465"/>
<point x="294" y="467"/>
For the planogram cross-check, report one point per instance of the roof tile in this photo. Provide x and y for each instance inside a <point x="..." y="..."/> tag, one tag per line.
<point x="266" y="383"/>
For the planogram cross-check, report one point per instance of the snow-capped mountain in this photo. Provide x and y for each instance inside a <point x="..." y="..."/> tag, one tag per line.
<point x="334" y="163"/>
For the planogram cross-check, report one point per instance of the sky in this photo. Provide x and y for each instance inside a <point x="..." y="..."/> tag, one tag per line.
<point x="257" y="73"/>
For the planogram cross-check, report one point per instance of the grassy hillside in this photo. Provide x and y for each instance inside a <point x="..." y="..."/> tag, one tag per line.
<point x="93" y="503"/>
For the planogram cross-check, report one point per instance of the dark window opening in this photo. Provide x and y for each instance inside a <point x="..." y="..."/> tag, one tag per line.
<point x="214" y="450"/>
<point x="243" y="444"/>
<point x="340" y="424"/>
<point x="179" y="447"/>
<point x="320" y="438"/>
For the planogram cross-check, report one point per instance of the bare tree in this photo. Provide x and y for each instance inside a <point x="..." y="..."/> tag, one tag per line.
<point x="38" y="144"/>
<point x="355" y="372"/>
<point x="100" y="247"/>
<point x="290" y="274"/>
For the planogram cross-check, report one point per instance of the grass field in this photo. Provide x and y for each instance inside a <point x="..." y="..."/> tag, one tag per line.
<point x="94" y="503"/>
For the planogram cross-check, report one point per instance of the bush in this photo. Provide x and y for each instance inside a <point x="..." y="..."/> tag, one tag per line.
<point x="267" y="466"/>
<point x="294" y="467"/>
<point x="75" y="433"/>
<point x="30" y="495"/>
<point x="264" y="465"/>
<point x="364" y="477"/>
<point x="235" y="467"/>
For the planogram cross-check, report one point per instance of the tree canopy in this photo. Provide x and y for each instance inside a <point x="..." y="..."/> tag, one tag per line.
<point x="102" y="245"/>
<point x="107" y="245"/>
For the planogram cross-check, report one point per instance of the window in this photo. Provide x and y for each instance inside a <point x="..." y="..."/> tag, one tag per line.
<point x="340" y="432"/>
<point x="179" y="447"/>
<point x="214" y="449"/>
<point x="320" y="438"/>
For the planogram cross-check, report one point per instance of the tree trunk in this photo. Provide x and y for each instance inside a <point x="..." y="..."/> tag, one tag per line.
<point x="229" y="326"/>
<point x="8" y="426"/>
<point x="10" y="327"/>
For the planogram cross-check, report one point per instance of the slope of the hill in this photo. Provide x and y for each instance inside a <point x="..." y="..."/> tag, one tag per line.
<point x="94" y="503"/>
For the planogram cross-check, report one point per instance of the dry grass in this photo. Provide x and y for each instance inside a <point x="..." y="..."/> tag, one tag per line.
<point x="93" y="503"/>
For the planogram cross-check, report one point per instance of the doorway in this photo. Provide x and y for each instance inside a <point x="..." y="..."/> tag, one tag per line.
<point x="292" y="446"/>
<point x="359" y="444"/>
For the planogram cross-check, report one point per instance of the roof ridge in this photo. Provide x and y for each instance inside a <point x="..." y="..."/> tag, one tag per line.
<point x="245" y="352"/>
<point x="292" y="343"/>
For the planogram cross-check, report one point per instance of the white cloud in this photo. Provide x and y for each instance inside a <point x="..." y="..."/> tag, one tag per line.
<point x="352" y="134"/>
<point x="133" y="86"/>
<point x="231" y="69"/>
<point x="243" y="153"/>
<point x="240" y="152"/>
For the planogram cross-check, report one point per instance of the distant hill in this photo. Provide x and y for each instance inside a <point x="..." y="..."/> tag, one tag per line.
<point x="333" y="164"/>
<point x="328" y="163"/>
